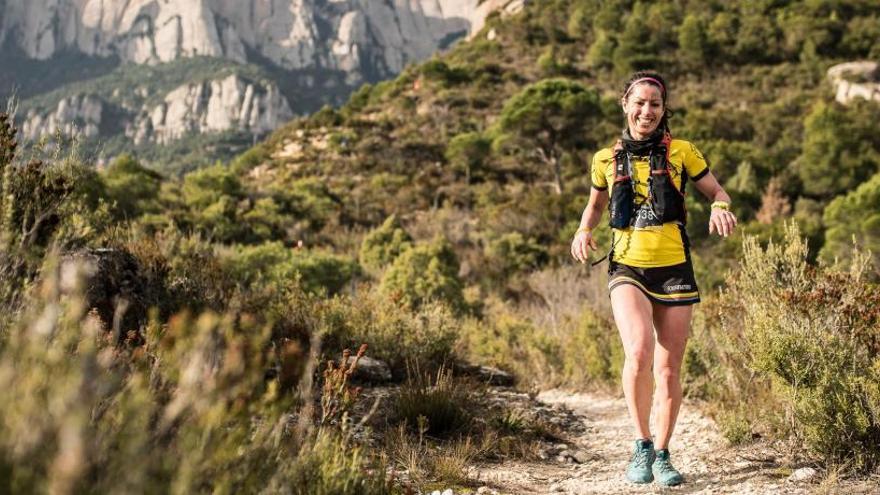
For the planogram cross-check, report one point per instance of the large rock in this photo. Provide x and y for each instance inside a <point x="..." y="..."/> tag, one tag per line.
<point x="855" y="80"/>
<point x="486" y="374"/>
<point x="227" y="104"/>
<point x="112" y="287"/>
<point x="372" y="370"/>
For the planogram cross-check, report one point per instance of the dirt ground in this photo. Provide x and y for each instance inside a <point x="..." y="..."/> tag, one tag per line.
<point x="603" y="443"/>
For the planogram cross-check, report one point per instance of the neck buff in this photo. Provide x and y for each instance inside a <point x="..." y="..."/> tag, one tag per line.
<point x="641" y="147"/>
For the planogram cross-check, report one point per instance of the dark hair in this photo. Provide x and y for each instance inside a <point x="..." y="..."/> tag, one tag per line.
<point x="652" y="78"/>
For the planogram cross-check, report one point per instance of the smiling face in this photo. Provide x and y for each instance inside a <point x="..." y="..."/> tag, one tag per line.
<point x="644" y="108"/>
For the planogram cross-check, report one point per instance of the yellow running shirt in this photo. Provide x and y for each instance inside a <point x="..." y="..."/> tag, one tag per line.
<point x="650" y="247"/>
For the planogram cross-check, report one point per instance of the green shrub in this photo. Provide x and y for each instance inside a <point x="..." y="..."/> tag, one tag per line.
<point x="839" y="139"/>
<point x="132" y="188"/>
<point x="815" y="333"/>
<point x="582" y="351"/>
<point x="511" y="253"/>
<point x="439" y="71"/>
<point x="548" y="119"/>
<point x="692" y="41"/>
<point x="394" y="333"/>
<point x="212" y="197"/>
<point x="383" y="245"/>
<point x="309" y="203"/>
<point x="468" y="152"/>
<point x="425" y="273"/>
<point x="272" y="264"/>
<point x="251" y="158"/>
<point x="601" y="52"/>
<point x="594" y="354"/>
<point x="853" y="217"/>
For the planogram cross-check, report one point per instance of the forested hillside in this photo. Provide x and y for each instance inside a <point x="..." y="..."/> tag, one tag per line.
<point x="430" y="217"/>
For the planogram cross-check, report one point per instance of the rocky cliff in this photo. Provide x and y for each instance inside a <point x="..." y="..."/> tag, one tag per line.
<point x="317" y="51"/>
<point x="230" y="103"/>
<point x="350" y="35"/>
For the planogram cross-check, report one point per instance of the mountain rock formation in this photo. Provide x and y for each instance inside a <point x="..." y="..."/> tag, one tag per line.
<point x="350" y="35"/>
<point x="219" y="105"/>
<point x="317" y="51"/>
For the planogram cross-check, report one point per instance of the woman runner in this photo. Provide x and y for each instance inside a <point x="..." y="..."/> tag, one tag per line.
<point x="642" y="180"/>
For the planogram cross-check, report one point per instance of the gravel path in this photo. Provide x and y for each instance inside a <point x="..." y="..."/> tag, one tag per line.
<point x="699" y="452"/>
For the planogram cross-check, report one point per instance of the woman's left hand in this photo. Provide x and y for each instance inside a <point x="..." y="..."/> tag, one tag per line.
<point x="722" y="221"/>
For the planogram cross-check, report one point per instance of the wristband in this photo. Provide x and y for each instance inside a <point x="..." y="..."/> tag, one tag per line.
<point x="724" y="205"/>
<point x="583" y="229"/>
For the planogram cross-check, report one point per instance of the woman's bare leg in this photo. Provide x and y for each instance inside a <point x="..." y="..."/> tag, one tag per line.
<point x="673" y="325"/>
<point x="632" y="313"/>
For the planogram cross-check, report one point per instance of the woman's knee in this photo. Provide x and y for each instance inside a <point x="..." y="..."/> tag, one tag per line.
<point x="668" y="373"/>
<point x="639" y="356"/>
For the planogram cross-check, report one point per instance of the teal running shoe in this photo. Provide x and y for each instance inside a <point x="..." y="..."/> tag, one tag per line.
<point x="663" y="470"/>
<point x="639" y="469"/>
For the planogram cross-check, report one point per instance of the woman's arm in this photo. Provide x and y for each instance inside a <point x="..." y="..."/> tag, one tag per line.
<point x="721" y="220"/>
<point x="583" y="238"/>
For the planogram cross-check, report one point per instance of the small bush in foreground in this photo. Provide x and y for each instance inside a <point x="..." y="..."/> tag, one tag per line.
<point x="816" y="333"/>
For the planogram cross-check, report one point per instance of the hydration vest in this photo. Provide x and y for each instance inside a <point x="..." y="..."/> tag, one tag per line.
<point x="665" y="202"/>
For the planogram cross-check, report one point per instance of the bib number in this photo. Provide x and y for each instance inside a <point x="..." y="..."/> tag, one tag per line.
<point x="645" y="217"/>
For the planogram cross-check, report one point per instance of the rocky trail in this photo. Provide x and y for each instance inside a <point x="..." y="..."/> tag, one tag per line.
<point x="594" y="461"/>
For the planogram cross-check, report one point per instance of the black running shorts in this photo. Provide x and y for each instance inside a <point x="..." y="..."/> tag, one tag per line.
<point x="671" y="285"/>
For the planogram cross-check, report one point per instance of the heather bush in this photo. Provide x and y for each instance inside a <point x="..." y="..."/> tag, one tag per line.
<point x="813" y="332"/>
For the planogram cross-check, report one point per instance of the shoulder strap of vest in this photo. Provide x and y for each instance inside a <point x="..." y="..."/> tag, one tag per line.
<point x="667" y="143"/>
<point x="621" y="162"/>
<point x="665" y="167"/>
<point x="657" y="166"/>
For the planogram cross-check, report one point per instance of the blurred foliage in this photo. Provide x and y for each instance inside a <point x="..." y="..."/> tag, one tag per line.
<point x="190" y="410"/>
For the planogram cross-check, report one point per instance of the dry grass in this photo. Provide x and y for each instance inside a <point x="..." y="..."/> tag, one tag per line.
<point x="437" y="402"/>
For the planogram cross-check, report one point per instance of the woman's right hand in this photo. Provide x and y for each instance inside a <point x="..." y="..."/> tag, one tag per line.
<point x="580" y="245"/>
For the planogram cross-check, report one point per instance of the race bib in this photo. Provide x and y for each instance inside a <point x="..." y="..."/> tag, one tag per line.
<point x="644" y="217"/>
